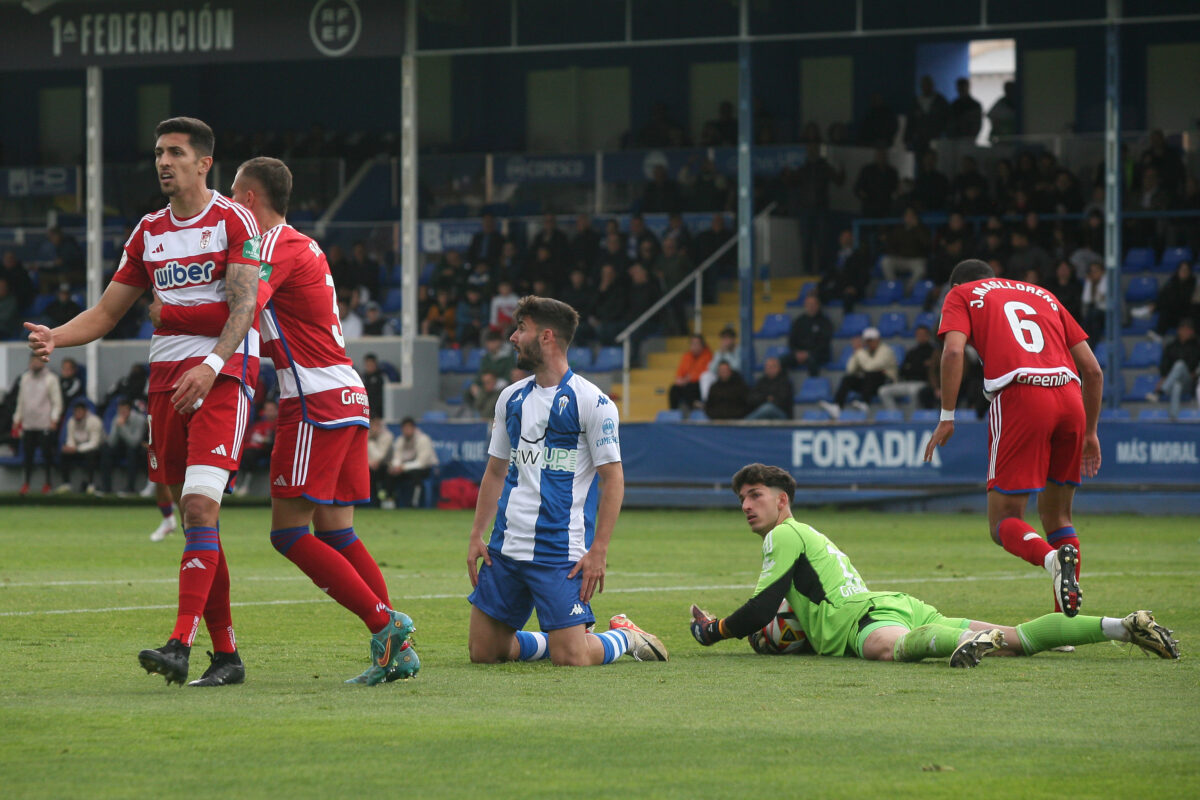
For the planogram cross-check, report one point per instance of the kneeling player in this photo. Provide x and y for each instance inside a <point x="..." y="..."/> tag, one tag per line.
<point x="840" y="616"/>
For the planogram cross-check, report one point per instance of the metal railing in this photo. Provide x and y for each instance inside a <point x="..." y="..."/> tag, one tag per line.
<point x="696" y="279"/>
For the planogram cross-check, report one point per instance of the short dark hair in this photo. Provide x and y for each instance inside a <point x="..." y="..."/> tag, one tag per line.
<point x="971" y="270"/>
<point x="200" y="136"/>
<point x="274" y="177"/>
<point x="408" y="421"/>
<point x="774" y="477"/>
<point x="546" y="312"/>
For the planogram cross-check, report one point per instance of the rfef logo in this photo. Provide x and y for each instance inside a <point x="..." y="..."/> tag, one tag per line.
<point x="173" y="275"/>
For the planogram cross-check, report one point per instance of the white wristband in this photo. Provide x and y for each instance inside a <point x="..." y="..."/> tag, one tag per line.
<point x="947" y="416"/>
<point x="215" y="362"/>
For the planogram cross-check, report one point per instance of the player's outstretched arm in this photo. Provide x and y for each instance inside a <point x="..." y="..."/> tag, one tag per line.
<point x="88" y="325"/>
<point x="1093" y="391"/>
<point x="241" y="292"/>
<point x="952" y="372"/>
<point x="595" y="561"/>
<point x="485" y="511"/>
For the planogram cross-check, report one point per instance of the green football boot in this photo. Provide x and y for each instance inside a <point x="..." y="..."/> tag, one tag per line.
<point x="385" y="649"/>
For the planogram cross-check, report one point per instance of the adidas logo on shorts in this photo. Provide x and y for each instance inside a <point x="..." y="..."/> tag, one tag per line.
<point x="280" y="481"/>
<point x="219" y="450"/>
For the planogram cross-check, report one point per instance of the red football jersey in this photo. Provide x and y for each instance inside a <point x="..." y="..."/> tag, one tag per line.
<point x="302" y="333"/>
<point x="1021" y="331"/>
<point x="184" y="261"/>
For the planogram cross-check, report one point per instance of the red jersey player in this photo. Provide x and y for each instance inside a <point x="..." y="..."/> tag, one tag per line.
<point x="1045" y="387"/>
<point x="319" y="462"/>
<point x="201" y="248"/>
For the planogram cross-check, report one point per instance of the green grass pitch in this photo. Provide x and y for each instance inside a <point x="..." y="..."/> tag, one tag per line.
<point x="82" y="590"/>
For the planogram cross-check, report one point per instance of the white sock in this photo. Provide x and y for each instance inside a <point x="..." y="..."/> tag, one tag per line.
<point x="1114" y="629"/>
<point x="1048" y="561"/>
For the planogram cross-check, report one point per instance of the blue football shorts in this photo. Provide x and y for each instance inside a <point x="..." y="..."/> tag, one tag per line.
<point x="509" y="590"/>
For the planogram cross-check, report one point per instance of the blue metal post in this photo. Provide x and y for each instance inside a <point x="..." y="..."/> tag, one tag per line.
<point x="1112" y="199"/>
<point x="745" y="203"/>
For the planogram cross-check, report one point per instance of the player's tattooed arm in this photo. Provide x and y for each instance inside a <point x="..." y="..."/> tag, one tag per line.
<point x="241" y="293"/>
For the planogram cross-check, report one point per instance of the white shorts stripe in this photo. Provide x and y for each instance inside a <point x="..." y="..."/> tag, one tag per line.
<point x="243" y="418"/>
<point x="304" y="435"/>
<point x="994" y="419"/>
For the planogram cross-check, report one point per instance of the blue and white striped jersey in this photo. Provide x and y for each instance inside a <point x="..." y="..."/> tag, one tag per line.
<point x="553" y="439"/>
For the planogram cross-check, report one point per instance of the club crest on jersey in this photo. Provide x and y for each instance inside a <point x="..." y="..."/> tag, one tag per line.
<point x="173" y="275"/>
<point x="562" y="403"/>
<point x="205" y="238"/>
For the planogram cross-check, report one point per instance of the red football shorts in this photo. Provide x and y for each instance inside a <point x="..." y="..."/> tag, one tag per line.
<point x="327" y="466"/>
<point x="1035" y="434"/>
<point x="212" y="435"/>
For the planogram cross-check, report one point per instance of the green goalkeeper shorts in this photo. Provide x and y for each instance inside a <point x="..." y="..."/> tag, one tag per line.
<point x="903" y="610"/>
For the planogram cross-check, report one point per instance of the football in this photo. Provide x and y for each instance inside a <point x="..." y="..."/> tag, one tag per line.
<point x="782" y="635"/>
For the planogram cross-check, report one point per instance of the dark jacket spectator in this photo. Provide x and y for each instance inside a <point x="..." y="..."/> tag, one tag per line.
<point x="662" y="193"/>
<point x="609" y="312"/>
<point x="931" y="188"/>
<point x="70" y="382"/>
<point x="729" y="397"/>
<point x="1175" y="298"/>
<point x="585" y="244"/>
<point x="879" y="125"/>
<point x="1067" y="288"/>
<point x="773" y="388"/>
<point x="847" y="275"/>
<point x="488" y="244"/>
<point x="10" y="313"/>
<point x="373" y="381"/>
<point x="876" y="185"/>
<point x="928" y="118"/>
<point x="810" y="337"/>
<point x="553" y="239"/>
<point x="966" y="114"/>
<point x="643" y="292"/>
<point x="1026" y="256"/>
<point x="363" y="270"/>
<point x="20" y="283"/>
<point x="64" y="308"/>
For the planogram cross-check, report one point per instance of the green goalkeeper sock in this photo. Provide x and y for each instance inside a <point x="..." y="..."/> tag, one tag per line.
<point x="1056" y="630"/>
<point x="927" y="641"/>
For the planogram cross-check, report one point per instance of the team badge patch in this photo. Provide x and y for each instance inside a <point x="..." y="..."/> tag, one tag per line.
<point x="562" y="403"/>
<point x="205" y="238"/>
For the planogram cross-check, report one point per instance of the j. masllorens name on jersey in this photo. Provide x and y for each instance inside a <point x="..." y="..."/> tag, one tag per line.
<point x="983" y="288"/>
<point x="555" y="458"/>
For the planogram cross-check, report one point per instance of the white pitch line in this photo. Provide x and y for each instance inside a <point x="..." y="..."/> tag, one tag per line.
<point x="629" y="590"/>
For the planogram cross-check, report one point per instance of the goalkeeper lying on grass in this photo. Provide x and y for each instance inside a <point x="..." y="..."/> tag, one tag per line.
<point x="842" y="618"/>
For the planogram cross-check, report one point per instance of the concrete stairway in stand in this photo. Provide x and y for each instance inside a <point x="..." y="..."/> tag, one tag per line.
<point x="648" y="385"/>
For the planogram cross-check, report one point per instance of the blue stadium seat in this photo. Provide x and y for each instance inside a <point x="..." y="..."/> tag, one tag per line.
<point x="843" y="359"/>
<point x="427" y="273"/>
<point x="669" y="415"/>
<point x="40" y="304"/>
<point x="145" y="330"/>
<point x="1145" y="354"/>
<point x="1189" y="415"/>
<point x="1173" y="255"/>
<point x="893" y="324"/>
<point x="814" y="390"/>
<point x="814" y="415"/>
<point x="898" y="349"/>
<point x="1141" y="289"/>
<point x="1154" y="415"/>
<point x="805" y="291"/>
<point x="889" y="415"/>
<point x="928" y="319"/>
<point x="1139" y="259"/>
<point x="608" y="359"/>
<point x="852" y="415"/>
<point x="434" y="415"/>
<point x="916" y="296"/>
<point x="774" y="326"/>
<point x="449" y="360"/>
<point x="267" y="379"/>
<point x="779" y="351"/>
<point x="926" y="415"/>
<point x="853" y="325"/>
<point x="389" y="369"/>
<point x="1114" y="386"/>
<point x="1142" y="386"/>
<point x="473" y="360"/>
<point x="885" y="293"/>
<point x="1115" y="413"/>
<point x="698" y="415"/>
<point x="1101" y="354"/>
<point x="392" y="301"/>
<point x="580" y="358"/>
<point x="1139" y="327"/>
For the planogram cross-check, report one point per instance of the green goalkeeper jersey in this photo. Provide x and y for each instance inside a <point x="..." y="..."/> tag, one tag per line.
<point x="825" y="590"/>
